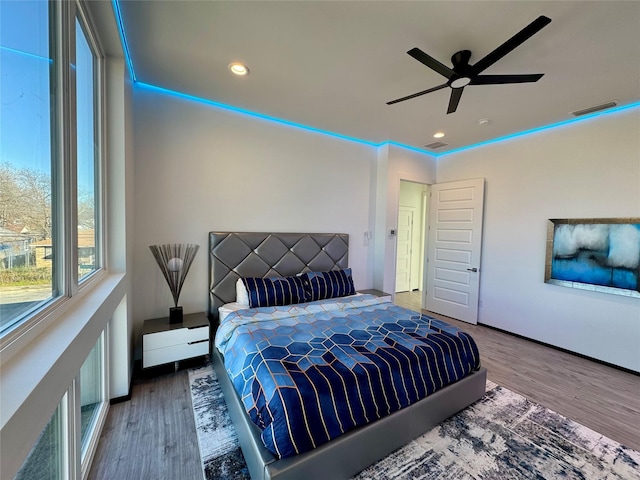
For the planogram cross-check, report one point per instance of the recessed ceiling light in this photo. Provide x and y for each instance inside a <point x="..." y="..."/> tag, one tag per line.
<point x="484" y="121"/>
<point x="239" y="69"/>
<point x="438" y="135"/>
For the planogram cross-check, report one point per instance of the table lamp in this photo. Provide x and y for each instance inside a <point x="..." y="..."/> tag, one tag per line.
<point x="174" y="261"/>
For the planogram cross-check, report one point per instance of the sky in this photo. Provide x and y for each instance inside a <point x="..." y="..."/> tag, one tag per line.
<point x="24" y="85"/>
<point x="25" y="111"/>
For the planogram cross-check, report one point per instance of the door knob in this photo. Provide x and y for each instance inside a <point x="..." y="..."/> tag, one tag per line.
<point x="474" y="269"/>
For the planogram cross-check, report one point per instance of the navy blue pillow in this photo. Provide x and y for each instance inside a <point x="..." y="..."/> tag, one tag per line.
<point x="333" y="284"/>
<point x="271" y="292"/>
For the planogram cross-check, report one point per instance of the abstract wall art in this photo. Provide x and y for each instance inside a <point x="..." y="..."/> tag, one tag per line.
<point x="598" y="254"/>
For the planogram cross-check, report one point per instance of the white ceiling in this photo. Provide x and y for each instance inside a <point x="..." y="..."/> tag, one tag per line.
<point x="333" y="65"/>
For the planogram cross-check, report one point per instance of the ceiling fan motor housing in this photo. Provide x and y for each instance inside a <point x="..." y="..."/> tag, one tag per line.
<point x="460" y="62"/>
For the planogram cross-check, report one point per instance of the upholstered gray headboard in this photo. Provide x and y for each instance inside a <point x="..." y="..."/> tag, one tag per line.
<point x="254" y="254"/>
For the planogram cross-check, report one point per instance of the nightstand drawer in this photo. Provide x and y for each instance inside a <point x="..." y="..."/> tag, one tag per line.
<point x="176" y="337"/>
<point x="174" y="353"/>
<point x="164" y="342"/>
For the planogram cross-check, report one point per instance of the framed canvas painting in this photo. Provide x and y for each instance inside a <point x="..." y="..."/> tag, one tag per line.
<point x="599" y="254"/>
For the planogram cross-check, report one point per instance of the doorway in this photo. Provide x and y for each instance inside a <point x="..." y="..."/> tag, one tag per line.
<point x="410" y="242"/>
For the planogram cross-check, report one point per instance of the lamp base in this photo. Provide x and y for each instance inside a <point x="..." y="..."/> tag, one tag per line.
<point x="175" y="315"/>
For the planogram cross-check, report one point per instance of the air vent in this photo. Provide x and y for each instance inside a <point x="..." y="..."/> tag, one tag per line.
<point x="597" y="108"/>
<point x="435" y="145"/>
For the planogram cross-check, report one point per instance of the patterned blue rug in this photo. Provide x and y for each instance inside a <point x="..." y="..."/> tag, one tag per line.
<point x="501" y="436"/>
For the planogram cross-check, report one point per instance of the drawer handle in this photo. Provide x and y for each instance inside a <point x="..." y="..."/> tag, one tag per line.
<point x="198" y="341"/>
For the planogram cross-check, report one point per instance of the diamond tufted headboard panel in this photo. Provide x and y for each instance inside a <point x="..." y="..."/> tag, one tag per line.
<point x="253" y="254"/>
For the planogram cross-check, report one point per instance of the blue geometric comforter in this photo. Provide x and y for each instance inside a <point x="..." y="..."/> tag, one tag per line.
<point x="310" y="372"/>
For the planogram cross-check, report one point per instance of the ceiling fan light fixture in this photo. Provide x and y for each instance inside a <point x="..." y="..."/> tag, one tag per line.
<point x="239" y="69"/>
<point x="460" y="82"/>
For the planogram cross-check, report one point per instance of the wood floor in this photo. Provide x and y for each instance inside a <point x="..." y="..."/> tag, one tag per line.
<point x="153" y="434"/>
<point x="600" y="397"/>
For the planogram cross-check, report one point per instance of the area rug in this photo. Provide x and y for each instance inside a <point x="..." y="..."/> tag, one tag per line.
<point x="501" y="436"/>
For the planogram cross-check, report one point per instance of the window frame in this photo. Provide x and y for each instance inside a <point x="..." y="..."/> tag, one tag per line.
<point x="64" y="462"/>
<point x="75" y="458"/>
<point x="99" y="101"/>
<point x="66" y="287"/>
<point x="87" y="451"/>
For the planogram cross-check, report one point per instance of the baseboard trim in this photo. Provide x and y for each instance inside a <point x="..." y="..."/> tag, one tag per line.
<point x="126" y="397"/>
<point x="586" y="357"/>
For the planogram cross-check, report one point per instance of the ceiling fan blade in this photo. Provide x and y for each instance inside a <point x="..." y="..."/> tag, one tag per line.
<point x="417" y="94"/>
<point x="519" y="38"/>
<point x="431" y="62"/>
<point x="456" y="93"/>
<point x="500" y="79"/>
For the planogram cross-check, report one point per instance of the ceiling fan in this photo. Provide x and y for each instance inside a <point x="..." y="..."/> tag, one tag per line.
<point x="463" y="74"/>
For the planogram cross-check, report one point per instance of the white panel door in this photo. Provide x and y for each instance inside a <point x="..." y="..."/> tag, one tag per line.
<point x="453" y="259"/>
<point x="403" y="249"/>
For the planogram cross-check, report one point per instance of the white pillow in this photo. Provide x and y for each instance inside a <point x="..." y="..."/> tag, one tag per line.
<point x="227" y="308"/>
<point x="242" y="296"/>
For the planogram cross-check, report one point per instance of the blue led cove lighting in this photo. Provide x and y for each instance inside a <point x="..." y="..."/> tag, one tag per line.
<point x="253" y="114"/>
<point x="250" y="113"/>
<point x="125" y="45"/>
<point x="544" y="127"/>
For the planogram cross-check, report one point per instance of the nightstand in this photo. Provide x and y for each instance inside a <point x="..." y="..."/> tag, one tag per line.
<point x="164" y="342"/>
<point x="377" y="293"/>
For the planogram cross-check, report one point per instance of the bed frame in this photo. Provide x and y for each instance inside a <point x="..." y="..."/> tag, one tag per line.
<point x="242" y="254"/>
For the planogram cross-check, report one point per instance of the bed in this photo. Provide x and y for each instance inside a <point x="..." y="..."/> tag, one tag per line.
<point x="235" y="255"/>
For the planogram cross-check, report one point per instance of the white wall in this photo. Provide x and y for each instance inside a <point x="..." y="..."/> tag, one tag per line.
<point x="199" y="168"/>
<point x="119" y="209"/>
<point x="587" y="169"/>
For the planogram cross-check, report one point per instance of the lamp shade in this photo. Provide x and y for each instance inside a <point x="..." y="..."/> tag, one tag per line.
<point x="174" y="261"/>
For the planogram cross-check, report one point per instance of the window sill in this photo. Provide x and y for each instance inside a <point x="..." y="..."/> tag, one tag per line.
<point x="22" y="333"/>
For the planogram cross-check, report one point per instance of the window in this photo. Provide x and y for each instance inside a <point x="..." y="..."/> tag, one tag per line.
<point x="26" y="160"/>
<point x="51" y="153"/>
<point x="48" y="458"/>
<point x="88" y="153"/>
<point x="92" y="394"/>
<point x="50" y="158"/>
<point x="56" y="452"/>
